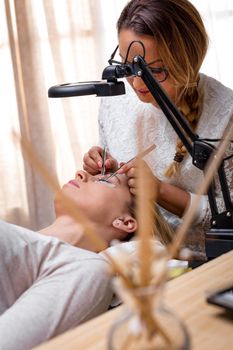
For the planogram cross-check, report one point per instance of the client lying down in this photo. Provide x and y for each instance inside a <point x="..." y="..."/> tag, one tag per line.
<point x="48" y="286"/>
<point x="53" y="281"/>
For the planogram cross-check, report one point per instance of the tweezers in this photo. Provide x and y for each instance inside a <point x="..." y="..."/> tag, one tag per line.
<point x="139" y="155"/>
<point x="103" y="169"/>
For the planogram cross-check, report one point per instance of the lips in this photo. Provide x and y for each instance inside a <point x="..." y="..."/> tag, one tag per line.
<point x="73" y="183"/>
<point x="143" y="92"/>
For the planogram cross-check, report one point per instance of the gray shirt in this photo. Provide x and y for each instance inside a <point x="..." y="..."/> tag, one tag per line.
<point x="46" y="287"/>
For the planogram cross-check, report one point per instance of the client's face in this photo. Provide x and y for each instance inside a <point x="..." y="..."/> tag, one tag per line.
<point x="100" y="201"/>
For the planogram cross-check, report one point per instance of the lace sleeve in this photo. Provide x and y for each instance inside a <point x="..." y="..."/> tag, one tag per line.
<point x="228" y="168"/>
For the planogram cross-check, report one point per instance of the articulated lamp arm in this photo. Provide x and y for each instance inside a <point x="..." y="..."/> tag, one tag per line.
<point x="199" y="150"/>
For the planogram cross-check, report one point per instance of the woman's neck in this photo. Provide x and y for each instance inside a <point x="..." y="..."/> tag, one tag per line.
<point x="68" y="230"/>
<point x="65" y="229"/>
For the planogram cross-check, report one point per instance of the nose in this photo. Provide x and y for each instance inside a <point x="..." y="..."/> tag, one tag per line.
<point x="137" y="83"/>
<point x="81" y="175"/>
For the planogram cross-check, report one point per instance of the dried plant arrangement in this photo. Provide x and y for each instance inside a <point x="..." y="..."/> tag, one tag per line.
<point x="140" y="279"/>
<point x="148" y="324"/>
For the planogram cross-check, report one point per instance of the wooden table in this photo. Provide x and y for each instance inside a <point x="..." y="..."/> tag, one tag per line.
<point x="186" y="296"/>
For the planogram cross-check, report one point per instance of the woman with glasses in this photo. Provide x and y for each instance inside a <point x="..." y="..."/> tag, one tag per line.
<point x="171" y="38"/>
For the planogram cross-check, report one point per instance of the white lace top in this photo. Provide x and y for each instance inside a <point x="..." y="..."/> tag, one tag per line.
<point x="120" y="116"/>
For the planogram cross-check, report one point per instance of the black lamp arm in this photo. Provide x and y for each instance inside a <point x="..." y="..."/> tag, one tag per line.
<point x="199" y="150"/>
<point x="170" y="110"/>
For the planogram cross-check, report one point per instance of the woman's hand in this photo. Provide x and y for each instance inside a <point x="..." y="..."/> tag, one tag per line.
<point x="131" y="170"/>
<point x="92" y="161"/>
<point x="170" y="197"/>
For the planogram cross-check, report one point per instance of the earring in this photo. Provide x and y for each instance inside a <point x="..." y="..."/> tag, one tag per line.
<point x="117" y="222"/>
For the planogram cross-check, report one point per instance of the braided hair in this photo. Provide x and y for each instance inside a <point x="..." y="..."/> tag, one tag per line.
<point x="190" y="106"/>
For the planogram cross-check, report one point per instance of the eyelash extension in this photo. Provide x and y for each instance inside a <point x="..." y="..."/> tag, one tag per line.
<point x="109" y="184"/>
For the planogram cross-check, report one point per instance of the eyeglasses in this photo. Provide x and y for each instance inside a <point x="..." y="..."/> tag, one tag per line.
<point x="160" y="73"/>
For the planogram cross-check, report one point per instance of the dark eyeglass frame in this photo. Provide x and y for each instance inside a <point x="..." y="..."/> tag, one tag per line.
<point x="155" y="71"/>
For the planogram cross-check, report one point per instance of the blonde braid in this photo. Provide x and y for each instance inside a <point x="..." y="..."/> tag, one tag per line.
<point x="162" y="230"/>
<point x="190" y="106"/>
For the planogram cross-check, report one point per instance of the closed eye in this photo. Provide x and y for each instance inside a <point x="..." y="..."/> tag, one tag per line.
<point x="156" y="70"/>
<point x="110" y="179"/>
<point x="107" y="183"/>
<point x="104" y="180"/>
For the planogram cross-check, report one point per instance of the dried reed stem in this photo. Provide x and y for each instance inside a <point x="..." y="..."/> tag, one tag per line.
<point x="145" y="215"/>
<point x="145" y="226"/>
<point x="144" y="201"/>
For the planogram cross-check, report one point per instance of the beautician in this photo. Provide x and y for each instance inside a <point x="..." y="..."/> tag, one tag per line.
<point x="175" y="42"/>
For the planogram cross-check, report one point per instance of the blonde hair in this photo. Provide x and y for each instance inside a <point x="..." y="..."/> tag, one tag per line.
<point x="182" y="43"/>
<point x="190" y="106"/>
<point x="161" y="229"/>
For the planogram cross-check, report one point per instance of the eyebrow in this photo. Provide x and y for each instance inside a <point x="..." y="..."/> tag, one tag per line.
<point x="117" y="179"/>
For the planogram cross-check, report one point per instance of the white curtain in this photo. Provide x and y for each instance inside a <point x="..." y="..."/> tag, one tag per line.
<point x="43" y="43"/>
<point x="47" y="42"/>
<point x="218" y="19"/>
